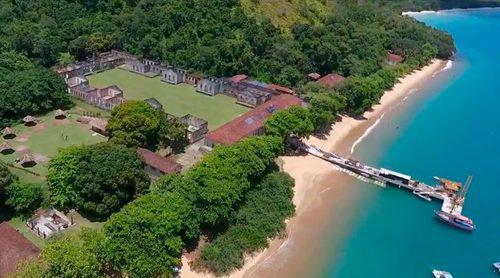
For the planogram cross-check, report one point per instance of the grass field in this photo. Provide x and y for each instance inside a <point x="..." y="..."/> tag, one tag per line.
<point x="43" y="141"/>
<point x="178" y="100"/>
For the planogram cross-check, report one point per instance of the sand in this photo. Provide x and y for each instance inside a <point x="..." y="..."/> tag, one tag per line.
<point x="310" y="173"/>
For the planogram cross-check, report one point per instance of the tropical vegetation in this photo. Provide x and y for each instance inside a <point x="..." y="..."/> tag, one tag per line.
<point x="96" y="179"/>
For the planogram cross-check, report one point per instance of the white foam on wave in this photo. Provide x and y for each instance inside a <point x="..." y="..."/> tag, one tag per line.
<point x="421" y="12"/>
<point x="409" y="93"/>
<point x="448" y="66"/>
<point x="366" y="133"/>
<point x="324" y="190"/>
<point x="270" y="261"/>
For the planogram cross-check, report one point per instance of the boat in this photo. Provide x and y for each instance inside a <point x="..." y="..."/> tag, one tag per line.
<point x="441" y="274"/>
<point x="456" y="220"/>
<point x="497" y="265"/>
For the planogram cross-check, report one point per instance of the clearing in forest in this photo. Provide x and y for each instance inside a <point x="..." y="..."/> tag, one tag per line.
<point x="177" y="100"/>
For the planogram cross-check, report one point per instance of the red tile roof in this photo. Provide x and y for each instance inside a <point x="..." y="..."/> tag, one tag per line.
<point x="331" y="80"/>
<point x="237" y="78"/>
<point x="394" y="58"/>
<point x="14" y="247"/>
<point x="165" y="165"/>
<point x="280" y="89"/>
<point x="249" y="123"/>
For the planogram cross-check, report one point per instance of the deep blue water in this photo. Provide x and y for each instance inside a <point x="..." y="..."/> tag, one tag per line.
<point x="449" y="128"/>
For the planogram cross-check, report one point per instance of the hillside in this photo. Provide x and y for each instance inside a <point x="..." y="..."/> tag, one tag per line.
<point x="284" y="13"/>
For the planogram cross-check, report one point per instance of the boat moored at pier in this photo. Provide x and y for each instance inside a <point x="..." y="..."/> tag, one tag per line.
<point x="458" y="221"/>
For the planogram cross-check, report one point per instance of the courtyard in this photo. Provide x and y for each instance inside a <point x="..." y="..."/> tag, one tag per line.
<point x="43" y="141"/>
<point x="177" y="100"/>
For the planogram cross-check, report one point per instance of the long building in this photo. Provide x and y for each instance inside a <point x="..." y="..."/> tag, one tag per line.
<point x="250" y="123"/>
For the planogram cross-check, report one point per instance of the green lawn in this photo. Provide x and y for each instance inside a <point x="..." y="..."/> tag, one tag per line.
<point x="44" y="140"/>
<point x="178" y="99"/>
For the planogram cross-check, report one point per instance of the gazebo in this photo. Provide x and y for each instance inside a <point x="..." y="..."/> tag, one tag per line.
<point x="27" y="160"/>
<point x="6" y="148"/>
<point x="60" y="114"/>
<point x="30" y="120"/>
<point x="8" y="133"/>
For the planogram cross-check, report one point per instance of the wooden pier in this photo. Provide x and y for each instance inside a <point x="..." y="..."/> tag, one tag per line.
<point x="450" y="193"/>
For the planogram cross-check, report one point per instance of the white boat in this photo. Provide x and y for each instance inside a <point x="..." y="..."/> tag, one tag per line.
<point x="497" y="265"/>
<point x="441" y="274"/>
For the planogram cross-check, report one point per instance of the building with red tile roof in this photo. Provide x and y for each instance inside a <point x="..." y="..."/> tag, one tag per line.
<point x="280" y="89"/>
<point x="14" y="247"/>
<point x="394" y="59"/>
<point x="250" y="123"/>
<point x="332" y="80"/>
<point x="237" y="78"/>
<point x="157" y="165"/>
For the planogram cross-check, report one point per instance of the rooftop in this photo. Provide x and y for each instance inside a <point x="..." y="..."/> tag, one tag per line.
<point x="14" y="247"/>
<point x="394" y="58"/>
<point x="280" y="89"/>
<point x="165" y="165"/>
<point x="331" y="80"/>
<point x="248" y="123"/>
<point x="237" y="78"/>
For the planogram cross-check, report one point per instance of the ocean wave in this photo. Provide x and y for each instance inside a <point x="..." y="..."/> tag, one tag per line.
<point x="448" y="66"/>
<point x="271" y="259"/>
<point x="324" y="190"/>
<point x="421" y="12"/>
<point x="409" y="93"/>
<point x="366" y="133"/>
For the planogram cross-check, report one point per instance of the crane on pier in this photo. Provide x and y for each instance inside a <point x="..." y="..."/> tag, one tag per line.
<point x="460" y="198"/>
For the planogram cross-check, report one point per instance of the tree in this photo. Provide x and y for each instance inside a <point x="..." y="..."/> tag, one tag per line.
<point x="295" y="120"/>
<point x="62" y="172"/>
<point x="24" y="197"/>
<point x="324" y="108"/>
<point x="262" y="216"/>
<point x="135" y="124"/>
<point x="6" y="179"/>
<point x="65" y="59"/>
<point x="173" y="134"/>
<point x="28" y="89"/>
<point x="97" y="179"/>
<point x="144" y="238"/>
<point x="72" y="255"/>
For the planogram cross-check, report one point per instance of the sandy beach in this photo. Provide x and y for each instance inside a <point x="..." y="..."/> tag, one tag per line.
<point x="314" y="189"/>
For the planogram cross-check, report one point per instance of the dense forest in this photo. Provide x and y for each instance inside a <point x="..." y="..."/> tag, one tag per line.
<point x="217" y="37"/>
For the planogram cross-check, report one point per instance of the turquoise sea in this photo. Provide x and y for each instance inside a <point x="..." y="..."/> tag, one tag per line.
<point x="449" y="127"/>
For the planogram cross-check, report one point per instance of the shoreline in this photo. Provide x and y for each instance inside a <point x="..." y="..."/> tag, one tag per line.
<point x="447" y="10"/>
<point x="312" y="181"/>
